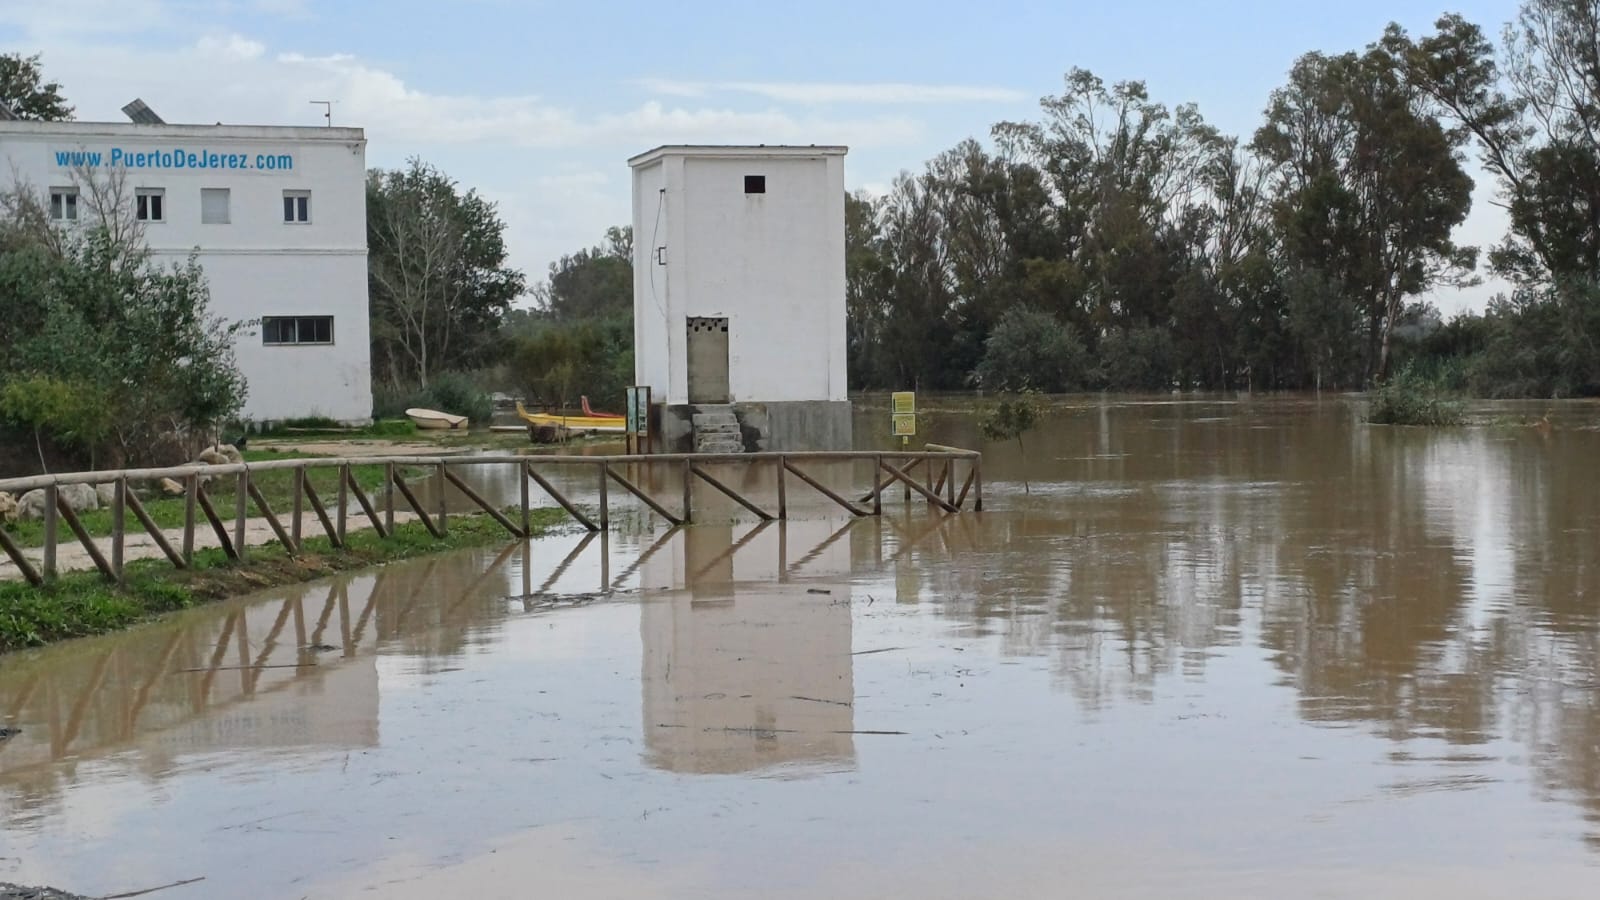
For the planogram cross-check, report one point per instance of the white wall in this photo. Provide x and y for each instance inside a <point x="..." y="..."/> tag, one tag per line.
<point x="650" y="311"/>
<point x="772" y="263"/>
<point x="256" y="265"/>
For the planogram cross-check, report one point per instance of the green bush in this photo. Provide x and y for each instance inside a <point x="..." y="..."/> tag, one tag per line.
<point x="449" y="392"/>
<point x="555" y="363"/>
<point x="456" y="393"/>
<point x="1033" y="350"/>
<point x="1413" y="398"/>
<point x="1010" y="419"/>
<point x="107" y="353"/>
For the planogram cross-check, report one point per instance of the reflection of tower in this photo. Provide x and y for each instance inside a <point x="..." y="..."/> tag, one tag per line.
<point x="743" y="674"/>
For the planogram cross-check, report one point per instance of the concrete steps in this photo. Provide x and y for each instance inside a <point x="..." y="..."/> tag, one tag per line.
<point x="716" y="430"/>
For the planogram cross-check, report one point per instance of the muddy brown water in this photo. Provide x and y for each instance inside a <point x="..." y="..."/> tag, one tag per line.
<point x="1217" y="649"/>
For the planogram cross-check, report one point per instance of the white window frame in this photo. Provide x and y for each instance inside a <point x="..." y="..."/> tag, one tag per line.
<point x="297" y="342"/>
<point x="142" y="196"/>
<point x="290" y="213"/>
<point x="69" y="203"/>
<point x="227" y="212"/>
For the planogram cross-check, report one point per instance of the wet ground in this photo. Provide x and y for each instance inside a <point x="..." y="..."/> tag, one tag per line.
<point x="1215" y="650"/>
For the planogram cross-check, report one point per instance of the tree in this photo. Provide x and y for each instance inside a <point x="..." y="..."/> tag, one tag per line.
<point x="1534" y="112"/>
<point x="70" y="412"/>
<point x="1030" y="349"/>
<point x="595" y="283"/>
<point x="1324" y="322"/>
<point x="1369" y="185"/>
<point x="108" y="354"/>
<point x="438" y="278"/>
<point x="1137" y="359"/>
<point x="555" y="362"/>
<point x="25" y="92"/>
<point x="1124" y="171"/>
<point x="1012" y="417"/>
<point x="866" y="290"/>
<point x="578" y="338"/>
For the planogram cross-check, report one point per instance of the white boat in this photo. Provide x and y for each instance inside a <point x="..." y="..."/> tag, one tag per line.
<point x="433" y="420"/>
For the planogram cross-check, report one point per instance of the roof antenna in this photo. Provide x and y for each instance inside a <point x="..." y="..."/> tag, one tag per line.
<point x="327" y="109"/>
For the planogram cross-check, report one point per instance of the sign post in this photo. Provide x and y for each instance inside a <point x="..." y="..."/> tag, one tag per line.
<point x="903" y="413"/>
<point x="638" y="419"/>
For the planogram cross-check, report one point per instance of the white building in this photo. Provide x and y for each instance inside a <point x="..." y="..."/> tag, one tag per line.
<point x="739" y="291"/>
<point x="276" y="217"/>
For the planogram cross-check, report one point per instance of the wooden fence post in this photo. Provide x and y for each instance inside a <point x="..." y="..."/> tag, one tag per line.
<point x="783" y="491"/>
<point x="522" y="494"/>
<point x="241" y="511"/>
<point x="295" y="528"/>
<point x="119" y="537"/>
<point x="388" y="496"/>
<point x="191" y="495"/>
<point x="344" y="501"/>
<point x="444" y="525"/>
<point x="51" y="525"/>
<point x="688" y="472"/>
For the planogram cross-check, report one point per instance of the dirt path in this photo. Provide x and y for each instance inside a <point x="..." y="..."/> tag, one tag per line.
<point x="72" y="557"/>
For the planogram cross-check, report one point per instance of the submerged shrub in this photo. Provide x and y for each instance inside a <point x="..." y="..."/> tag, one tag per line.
<point x="1414" y="398"/>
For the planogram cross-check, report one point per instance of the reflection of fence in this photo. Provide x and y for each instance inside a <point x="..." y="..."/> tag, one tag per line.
<point x="242" y="675"/>
<point x="888" y="468"/>
<point x="198" y="670"/>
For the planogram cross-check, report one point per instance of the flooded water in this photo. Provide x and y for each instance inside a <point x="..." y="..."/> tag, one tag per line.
<point x="1212" y="649"/>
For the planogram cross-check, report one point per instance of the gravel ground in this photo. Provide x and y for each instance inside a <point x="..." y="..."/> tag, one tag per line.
<point x="18" y="892"/>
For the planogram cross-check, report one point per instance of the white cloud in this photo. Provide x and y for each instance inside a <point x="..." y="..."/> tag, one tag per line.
<point x="878" y="93"/>
<point x="246" y="84"/>
<point x="229" y="47"/>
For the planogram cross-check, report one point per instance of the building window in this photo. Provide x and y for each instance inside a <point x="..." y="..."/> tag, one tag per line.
<point x="281" y="330"/>
<point x="755" y="184"/>
<point x="296" y="207"/>
<point x="150" y="205"/>
<point x="214" y="206"/>
<point x="64" y="204"/>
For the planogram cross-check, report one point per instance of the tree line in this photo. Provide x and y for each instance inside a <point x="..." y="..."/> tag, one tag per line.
<point x="1119" y="243"/>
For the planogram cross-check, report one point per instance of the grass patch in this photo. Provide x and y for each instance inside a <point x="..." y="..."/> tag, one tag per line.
<point x="327" y="428"/>
<point x="82" y="603"/>
<point x="276" y="486"/>
<point x="1414" y="398"/>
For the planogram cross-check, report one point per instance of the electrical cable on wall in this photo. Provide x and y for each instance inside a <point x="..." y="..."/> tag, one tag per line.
<point x="655" y="251"/>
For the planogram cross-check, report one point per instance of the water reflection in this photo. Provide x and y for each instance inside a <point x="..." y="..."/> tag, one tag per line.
<point x="743" y="672"/>
<point x="1425" y="585"/>
<point x="1255" y="640"/>
<point x="297" y="669"/>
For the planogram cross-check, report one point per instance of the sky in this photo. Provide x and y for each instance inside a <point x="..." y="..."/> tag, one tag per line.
<point x="538" y="104"/>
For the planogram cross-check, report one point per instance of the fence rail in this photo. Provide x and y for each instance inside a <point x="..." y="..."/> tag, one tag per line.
<point x="939" y="469"/>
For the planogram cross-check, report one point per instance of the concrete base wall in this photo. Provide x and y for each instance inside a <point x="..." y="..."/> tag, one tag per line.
<point x="794" y="425"/>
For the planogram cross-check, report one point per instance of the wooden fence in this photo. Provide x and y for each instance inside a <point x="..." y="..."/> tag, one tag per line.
<point x="941" y="468"/>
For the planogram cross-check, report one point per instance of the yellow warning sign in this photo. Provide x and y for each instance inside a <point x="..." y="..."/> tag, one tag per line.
<point x="905" y="424"/>
<point x="905" y="403"/>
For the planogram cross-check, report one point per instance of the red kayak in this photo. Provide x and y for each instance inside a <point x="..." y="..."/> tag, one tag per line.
<point x="589" y="413"/>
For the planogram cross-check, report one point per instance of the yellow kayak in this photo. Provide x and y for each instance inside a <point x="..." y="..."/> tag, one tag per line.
<point x="603" y="424"/>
